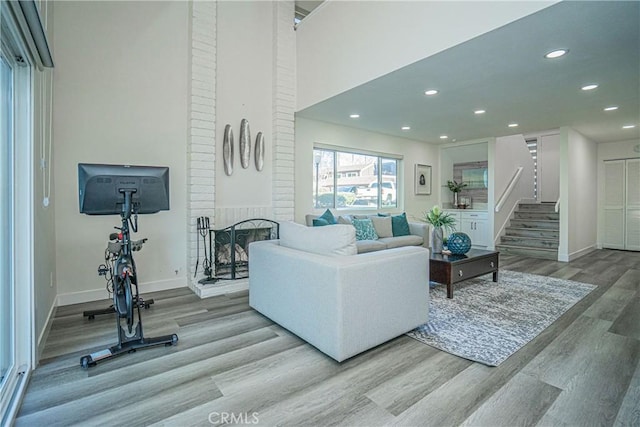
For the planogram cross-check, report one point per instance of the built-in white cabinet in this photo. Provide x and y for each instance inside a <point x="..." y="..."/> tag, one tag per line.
<point x="474" y="224"/>
<point x="621" y="211"/>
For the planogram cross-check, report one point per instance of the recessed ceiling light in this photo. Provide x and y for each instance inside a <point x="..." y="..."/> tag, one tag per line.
<point x="611" y="108"/>
<point x="479" y="112"/>
<point x="513" y="125"/>
<point x="589" y="87"/>
<point x="406" y="127"/>
<point x="556" y="53"/>
<point x="430" y="92"/>
<point x="443" y="137"/>
<point x="628" y="126"/>
<point x="355" y="116"/>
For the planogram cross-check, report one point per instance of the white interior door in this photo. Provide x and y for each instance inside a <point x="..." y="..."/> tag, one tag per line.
<point x="632" y="205"/>
<point x="548" y="168"/>
<point x="614" y="211"/>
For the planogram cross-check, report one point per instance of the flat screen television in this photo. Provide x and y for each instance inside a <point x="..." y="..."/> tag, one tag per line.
<point x="102" y="188"/>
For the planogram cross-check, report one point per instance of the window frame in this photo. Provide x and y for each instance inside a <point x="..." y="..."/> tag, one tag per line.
<point x="15" y="54"/>
<point x="380" y="158"/>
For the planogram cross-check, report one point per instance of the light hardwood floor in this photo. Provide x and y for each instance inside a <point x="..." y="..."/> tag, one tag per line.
<point x="232" y="364"/>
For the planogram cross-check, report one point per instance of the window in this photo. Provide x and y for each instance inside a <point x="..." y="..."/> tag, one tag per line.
<point x="352" y="180"/>
<point x="17" y="340"/>
<point x="6" y="221"/>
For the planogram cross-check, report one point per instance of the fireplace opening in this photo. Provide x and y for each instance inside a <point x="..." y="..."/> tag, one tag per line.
<point x="230" y="250"/>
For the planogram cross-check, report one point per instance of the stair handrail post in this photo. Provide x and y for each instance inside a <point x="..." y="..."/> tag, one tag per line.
<point x="507" y="191"/>
<point x="557" y="208"/>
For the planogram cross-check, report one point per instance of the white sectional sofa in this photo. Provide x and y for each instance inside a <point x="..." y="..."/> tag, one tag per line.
<point x="418" y="234"/>
<point x="313" y="283"/>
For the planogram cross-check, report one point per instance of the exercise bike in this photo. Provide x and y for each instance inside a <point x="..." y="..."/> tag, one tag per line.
<point x="120" y="269"/>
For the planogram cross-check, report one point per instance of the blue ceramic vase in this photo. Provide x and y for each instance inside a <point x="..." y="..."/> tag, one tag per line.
<point x="459" y="243"/>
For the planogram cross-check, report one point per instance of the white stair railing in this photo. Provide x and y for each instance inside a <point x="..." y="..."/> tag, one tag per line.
<point x="509" y="189"/>
<point x="558" y="205"/>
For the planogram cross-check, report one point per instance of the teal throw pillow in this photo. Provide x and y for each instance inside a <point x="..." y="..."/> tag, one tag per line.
<point x="400" y="225"/>
<point x="319" y="222"/>
<point x="364" y="229"/>
<point x="328" y="216"/>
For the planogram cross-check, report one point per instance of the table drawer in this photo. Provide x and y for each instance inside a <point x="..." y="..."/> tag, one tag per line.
<point x="473" y="268"/>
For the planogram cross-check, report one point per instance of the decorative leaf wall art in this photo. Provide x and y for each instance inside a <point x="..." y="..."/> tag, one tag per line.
<point x="259" y="155"/>
<point x="245" y="143"/>
<point x="227" y="150"/>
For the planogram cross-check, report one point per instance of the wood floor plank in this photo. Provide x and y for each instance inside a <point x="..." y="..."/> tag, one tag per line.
<point x="611" y="304"/>
<point x="629" y="412"/>
<point x="451" y="403"/>
<point x="521" y="402"/>
<point x="57" y="395"/>
<point x="568" y="355"/>
<point x="594" y="393"/>
<point x="629" y="280"/>
<point x="628" y="322"/>
<point x="565" y="273"/>
<point x="159" y="405"/>
<point x="408" y="387"/>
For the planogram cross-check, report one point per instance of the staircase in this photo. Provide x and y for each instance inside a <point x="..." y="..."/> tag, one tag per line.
<point x="533" y="231"/>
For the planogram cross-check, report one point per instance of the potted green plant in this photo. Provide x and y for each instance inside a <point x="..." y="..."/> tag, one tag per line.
<point x="439" y="220"/>
<point x="455" y="188"/>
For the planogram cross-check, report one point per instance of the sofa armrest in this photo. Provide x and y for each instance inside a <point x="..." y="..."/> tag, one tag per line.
<point x="421" y="229"/>
<point x="342" y="305"/>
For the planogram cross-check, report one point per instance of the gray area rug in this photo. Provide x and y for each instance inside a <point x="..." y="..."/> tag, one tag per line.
<point x="487" y="322"/>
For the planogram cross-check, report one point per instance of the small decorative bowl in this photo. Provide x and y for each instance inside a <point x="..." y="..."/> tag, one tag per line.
<point x="459" y="243"/>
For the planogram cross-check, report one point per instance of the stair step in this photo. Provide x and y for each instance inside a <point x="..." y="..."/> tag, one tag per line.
<point x="537" y="207"/>
<point x="518" y="214"/>
<point x="533" y="232"/>
<point x="529" y="252"/>
<point x="530" y="242"/>
<point x="546" y="224"/>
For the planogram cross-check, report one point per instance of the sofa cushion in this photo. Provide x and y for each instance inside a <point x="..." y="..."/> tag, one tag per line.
<point x="365" y="246"/>
<point x="320" y="222"/>
<point x="345" y="219"/>
<point x="364" y="229"/>
<point x="328" y="216"/>
<point x="400" y="225"/>
<point x="382" y="225"/>
<point x="336" y="240"/>
<point x="396" y="242"/>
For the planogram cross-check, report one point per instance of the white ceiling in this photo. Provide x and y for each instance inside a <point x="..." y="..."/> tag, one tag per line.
<point x="307" y="5"/>
<point x="504" y="72"/>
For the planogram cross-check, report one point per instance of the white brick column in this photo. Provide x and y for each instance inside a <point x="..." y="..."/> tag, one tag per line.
<point x="202" y="128"/>
<point x="284" y="102"/>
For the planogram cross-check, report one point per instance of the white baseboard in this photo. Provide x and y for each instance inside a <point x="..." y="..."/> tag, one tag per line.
<point x="577" y="254"/>
<point x="100" y="294"/>
<point x="42" y="339"/>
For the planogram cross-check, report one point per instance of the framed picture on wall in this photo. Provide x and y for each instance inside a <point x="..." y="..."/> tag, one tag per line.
<point x="422" y="179"/>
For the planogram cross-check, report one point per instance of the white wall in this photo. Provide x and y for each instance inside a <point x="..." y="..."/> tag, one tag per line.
<point x="44" y="254"/>
<point x="346" y="43"/>
<point x="612" y="151"/>
<point x="578" y="194"/>
<point x="244" y="90"/>
<point x="309" y="132"/>
<point x="510" y="153"/>
<point x="120" y="97"/>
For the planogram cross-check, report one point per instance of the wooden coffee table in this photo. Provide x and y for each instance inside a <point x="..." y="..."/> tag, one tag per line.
<point x="450" y="269"/>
